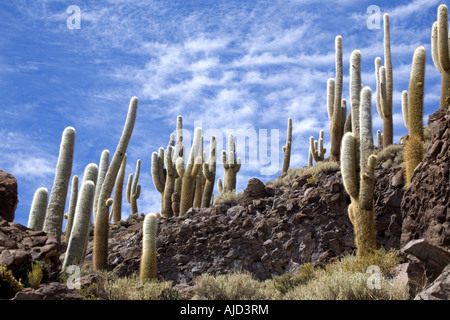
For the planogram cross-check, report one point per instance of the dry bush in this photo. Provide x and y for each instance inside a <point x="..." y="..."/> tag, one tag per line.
<point x="233" y="286"/>
<point x="228" y="198"/>
<point x="289" y="177"/>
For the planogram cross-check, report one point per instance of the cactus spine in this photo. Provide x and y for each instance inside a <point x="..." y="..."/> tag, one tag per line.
<point x="441" y="53"/>
<point x="79" y="235"/>
<point x="287" y="147"/>
<point x="38" y="209"/>
<point x="148" y="264"/>
<point x="189" y="173"/>
<point x="133" y="188"/>
<point x="231" y="166"/>
<point x="102" y="219"/>
<point x="72" y="207"/>
<point x="56" y="205"/>
<point x="385" y="86"/>
<point x="360" y="187"/>
<point x="118" y="191"/>
<point x="334" y="102"/>
<point x="414" y="110"/>
<point x="209" y="171"/>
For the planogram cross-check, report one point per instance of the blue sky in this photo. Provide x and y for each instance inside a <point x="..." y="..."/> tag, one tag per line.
<point x="224" y="65"/>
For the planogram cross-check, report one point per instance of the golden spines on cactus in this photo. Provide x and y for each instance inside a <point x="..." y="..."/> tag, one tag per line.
<point x="414" y="110"/>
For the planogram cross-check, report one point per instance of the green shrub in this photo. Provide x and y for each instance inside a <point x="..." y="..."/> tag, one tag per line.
<point x="35" y="275"/>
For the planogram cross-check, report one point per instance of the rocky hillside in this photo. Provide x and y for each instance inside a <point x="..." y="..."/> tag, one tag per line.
<point x="278" y="226"/>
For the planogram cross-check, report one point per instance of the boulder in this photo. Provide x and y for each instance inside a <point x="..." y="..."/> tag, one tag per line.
<point x="8" y="196"/>
<point x="439" y="289"/>
<point x="255" y="190"/>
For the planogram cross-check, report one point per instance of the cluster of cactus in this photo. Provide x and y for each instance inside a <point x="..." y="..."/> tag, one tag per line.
<point x="316" y="149"/>
<point x="357" y="168"/>
<point x="384" y="82"/>
<point x="441" y="53"/>
<point x="336" y="106"/>
<point x="412" y="108"/>
<point x="133" y="188"/>
<point x="101" y="222"/>
<point x="184" y="186"/>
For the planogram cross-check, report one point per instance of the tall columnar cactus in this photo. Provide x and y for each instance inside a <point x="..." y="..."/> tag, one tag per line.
<point x="179" y="152"/>
<point x="56" y="204"/>
<point x="169" y="186"/>
<point x="209" y="171"/>
<point x="414" y="110"/>
<point x="118" y="192"/>
<point x="189" y="173"/>
<point x="133" y="188"/>
<point x="384" y="81"/>
<point x="102" y="169"/>
<point x="90" y="174"/>
<point x="360" y="186"/>
<point x="72" y="207"/>
<point x="79" y="234"/>
<point x="287" y="147"/>
<point x="441" y="53"/>
<point x="102" y="219"/>
<point x="199" y="182"/>
<point x="231" y="166"/>
<point x="220" y="186"/>
<point x="159" y="175"/>
<point x="334" y="103"/>
<point x="316" y="148"/>
<point x="148" y="264"/>
<point x="38" y="209"/>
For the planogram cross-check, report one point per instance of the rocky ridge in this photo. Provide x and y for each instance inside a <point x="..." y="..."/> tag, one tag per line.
<point x="276" y="228"/>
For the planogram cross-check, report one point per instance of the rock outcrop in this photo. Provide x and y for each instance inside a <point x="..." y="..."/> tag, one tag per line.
<point x="20" y="247"/>
<point x="425" y="205"/>
<point x="8" y="196"/>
